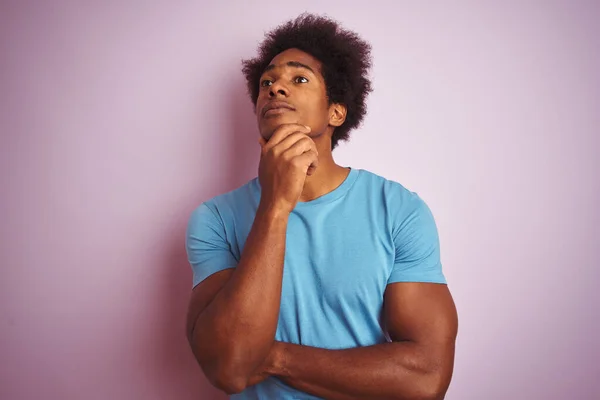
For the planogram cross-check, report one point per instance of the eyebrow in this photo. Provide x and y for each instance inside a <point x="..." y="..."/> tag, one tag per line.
<point x="295" y="64"/>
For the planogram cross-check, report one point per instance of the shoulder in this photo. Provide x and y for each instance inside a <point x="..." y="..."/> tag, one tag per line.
<point x="390" y="192"/>
<point x="224" y="207"/>
<point x="403" y="208"/>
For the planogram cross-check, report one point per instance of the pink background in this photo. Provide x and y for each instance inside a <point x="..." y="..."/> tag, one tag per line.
<point x="118" y="118"/>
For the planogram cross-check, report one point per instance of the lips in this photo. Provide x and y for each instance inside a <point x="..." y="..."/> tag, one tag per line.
<point x="277" y="105"/>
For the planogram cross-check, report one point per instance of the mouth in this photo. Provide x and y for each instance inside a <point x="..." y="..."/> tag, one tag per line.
<point x="276" y="108"/>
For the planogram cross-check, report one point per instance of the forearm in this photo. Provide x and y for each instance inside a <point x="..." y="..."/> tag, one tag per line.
<point x="400" y="370"/>
<point x="235" y="332"/>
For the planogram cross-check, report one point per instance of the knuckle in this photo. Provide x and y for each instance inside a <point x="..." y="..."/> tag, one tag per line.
<point x="287" y="157"/>
<point x="276" y="151"/>
<point x="305" y="142"/>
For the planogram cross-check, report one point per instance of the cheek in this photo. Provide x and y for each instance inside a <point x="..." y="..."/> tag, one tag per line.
<point x="317" y="108"/>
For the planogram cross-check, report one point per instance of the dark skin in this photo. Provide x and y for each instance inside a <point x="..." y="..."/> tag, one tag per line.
<point x="303" y="87"/>
<point x="233" y="314"/>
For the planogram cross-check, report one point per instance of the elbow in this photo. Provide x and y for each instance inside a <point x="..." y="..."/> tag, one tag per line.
<point x="229" y="383"/>
<point x="435" y="395"/>
<point x="222" y="372"/>
<point x="227" y="367"/>
<point x="227" y="378"/>
<point x="434" y="387"/>
<point x="429" y="386"/>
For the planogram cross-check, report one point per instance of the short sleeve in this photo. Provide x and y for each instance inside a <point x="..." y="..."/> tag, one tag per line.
<point x="206" y="244"/>
<point x="417" y="246"/>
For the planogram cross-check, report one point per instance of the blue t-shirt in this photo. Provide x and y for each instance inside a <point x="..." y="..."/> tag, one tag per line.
<point x="342" y="250"/>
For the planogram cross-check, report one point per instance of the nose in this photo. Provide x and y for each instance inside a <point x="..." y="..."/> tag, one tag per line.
<point x="277" y="88"/>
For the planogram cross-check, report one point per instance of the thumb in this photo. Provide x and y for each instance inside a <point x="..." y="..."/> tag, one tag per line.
<point x="262" y="141"/>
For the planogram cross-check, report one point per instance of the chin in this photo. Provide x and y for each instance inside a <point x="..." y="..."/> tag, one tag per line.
<point x="268" y="126"/>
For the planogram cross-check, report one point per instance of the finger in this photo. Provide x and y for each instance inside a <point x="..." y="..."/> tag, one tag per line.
<point x="313" y="166"/>
<point x="307" y="159"/>
<point x="283" y="131"/>
<point x="301" y="145"/>
<point x="262" y="141"/>
<point x="315" y="163"/>
<point x="291" y="141"/>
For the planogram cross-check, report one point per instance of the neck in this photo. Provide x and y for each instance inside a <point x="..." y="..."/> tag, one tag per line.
<point x="328" y="175"/>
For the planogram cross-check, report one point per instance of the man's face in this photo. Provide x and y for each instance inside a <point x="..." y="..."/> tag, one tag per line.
<point x="293" y="87"/>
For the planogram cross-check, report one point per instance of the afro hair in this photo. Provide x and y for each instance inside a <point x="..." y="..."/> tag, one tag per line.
<point x="345" y="59"/>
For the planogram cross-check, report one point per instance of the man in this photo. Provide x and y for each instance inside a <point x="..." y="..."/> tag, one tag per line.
<point x="315" y="280"/>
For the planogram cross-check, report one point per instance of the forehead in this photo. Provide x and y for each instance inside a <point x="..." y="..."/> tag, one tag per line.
<point x="281" y="59"/>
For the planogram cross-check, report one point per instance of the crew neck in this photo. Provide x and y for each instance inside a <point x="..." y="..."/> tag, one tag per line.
<point x="335" y="194"/>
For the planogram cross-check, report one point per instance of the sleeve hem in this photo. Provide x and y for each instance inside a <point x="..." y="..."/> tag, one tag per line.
<point x="421" y="278"/>
<point x="199" y="278"/>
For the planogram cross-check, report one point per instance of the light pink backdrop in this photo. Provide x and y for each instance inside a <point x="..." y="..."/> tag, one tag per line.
<point x="118" y="118"/>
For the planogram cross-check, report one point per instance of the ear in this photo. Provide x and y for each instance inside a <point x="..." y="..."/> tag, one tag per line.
<point x="337" y="114"/>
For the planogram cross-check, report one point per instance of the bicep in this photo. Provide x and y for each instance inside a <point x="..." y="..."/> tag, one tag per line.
<point x="209" y="254"/>
<point x="422" y="313"/>
<point x="202" y="295"/>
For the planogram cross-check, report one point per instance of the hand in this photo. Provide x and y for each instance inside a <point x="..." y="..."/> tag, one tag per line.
<point x="286" y="160"/>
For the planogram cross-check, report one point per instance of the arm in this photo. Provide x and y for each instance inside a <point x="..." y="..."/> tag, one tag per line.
<point x="233" y="314"/>
<point x="420" y="318"/>
<point x="422" y="322"/>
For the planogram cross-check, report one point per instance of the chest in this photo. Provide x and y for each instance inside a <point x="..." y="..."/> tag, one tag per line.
<point x="342" y="260"/>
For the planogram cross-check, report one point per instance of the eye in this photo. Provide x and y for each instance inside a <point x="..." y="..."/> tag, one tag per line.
<point x="300" y="79"/>
<point x="265" y="83"/>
